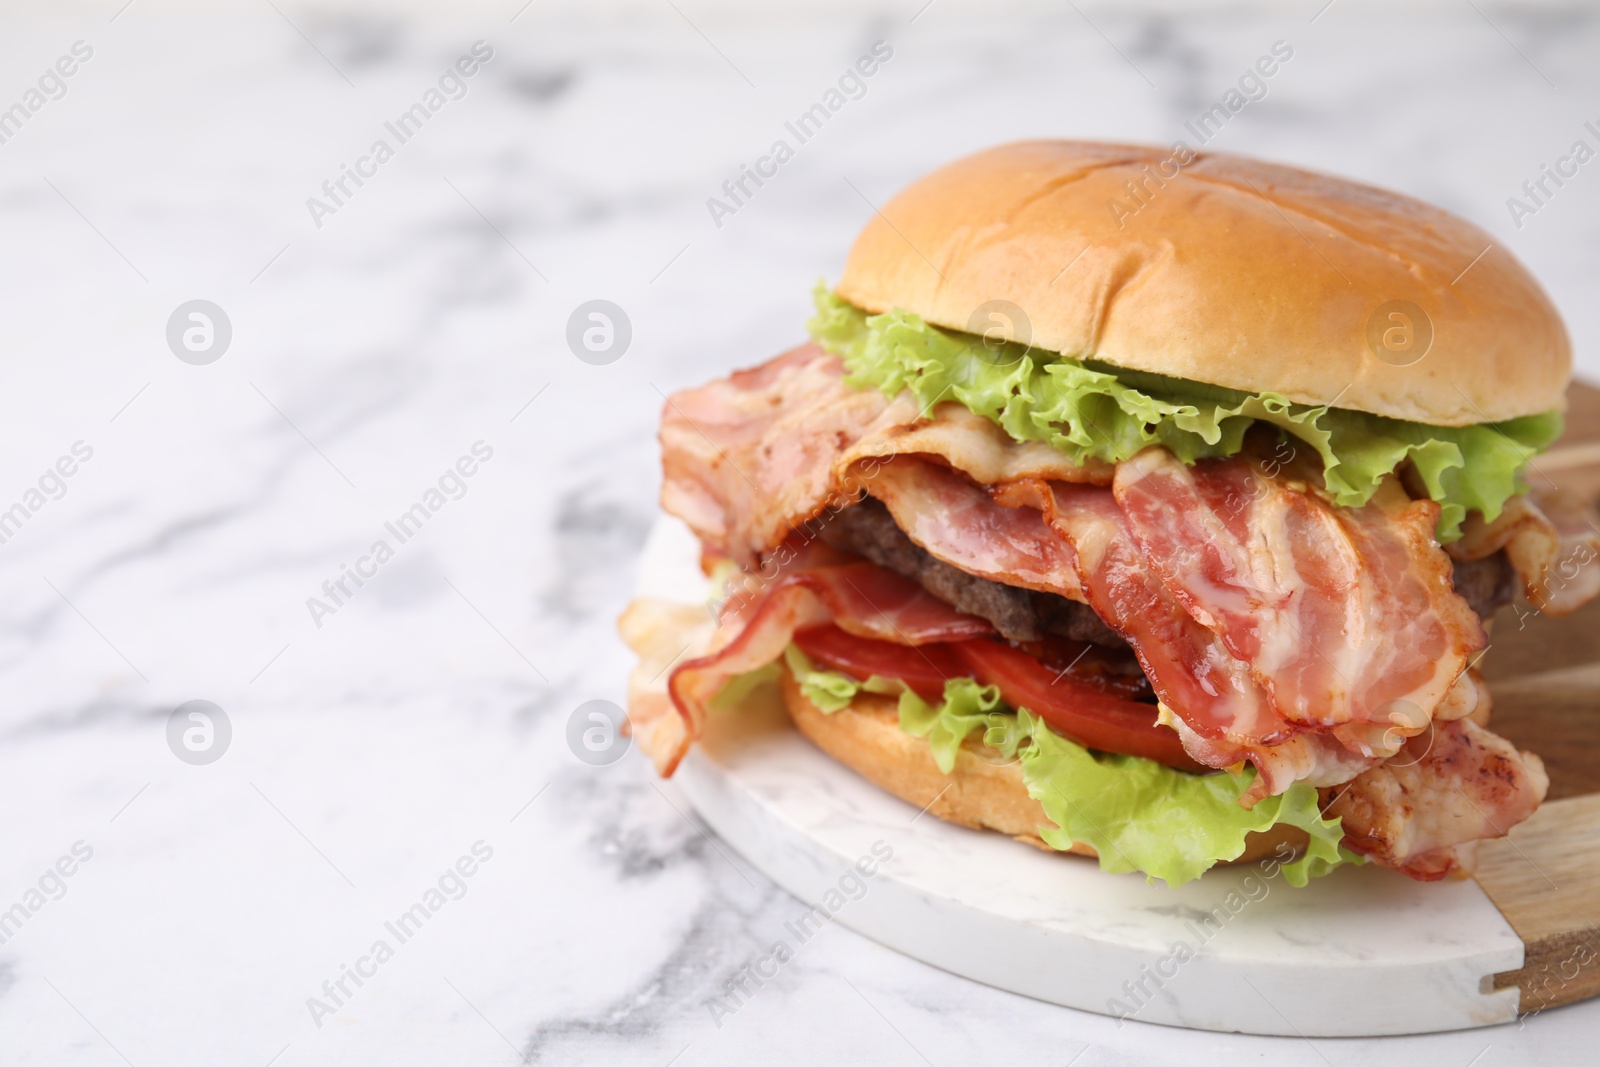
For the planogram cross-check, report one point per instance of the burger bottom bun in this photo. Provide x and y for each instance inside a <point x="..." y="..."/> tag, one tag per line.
<point x="982" y="792"/>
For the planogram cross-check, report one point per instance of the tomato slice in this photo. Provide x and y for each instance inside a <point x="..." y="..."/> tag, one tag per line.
<point x="1083" y="704"/>
<point x="1075" y="708"/>
<point x="923" y="668"/>
<point x="1106" y="669"/>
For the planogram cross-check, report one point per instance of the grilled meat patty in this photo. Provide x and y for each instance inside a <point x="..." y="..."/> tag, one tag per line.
<point x="1487" y="584"/>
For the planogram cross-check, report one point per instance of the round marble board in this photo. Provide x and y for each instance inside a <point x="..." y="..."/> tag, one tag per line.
<point x="1361" y="952"/>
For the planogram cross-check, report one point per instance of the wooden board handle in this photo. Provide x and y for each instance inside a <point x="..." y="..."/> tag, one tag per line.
<point x="1545" y="879"/>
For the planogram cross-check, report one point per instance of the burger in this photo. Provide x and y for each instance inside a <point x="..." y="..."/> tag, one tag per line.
<point x="1144" y="504"/>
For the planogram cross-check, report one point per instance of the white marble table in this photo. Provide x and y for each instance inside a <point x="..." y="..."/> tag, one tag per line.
<point x="428" y="712"/>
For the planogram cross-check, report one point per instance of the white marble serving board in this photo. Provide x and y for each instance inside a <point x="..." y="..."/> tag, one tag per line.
<point x="1362" y="952"/>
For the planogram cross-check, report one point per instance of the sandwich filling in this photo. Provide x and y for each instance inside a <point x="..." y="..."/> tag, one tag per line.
<point x="1156" y="597"/>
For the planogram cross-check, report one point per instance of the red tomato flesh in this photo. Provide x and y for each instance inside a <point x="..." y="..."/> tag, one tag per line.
<point x="924" y="668"/>
<point x="1090" y="707"/>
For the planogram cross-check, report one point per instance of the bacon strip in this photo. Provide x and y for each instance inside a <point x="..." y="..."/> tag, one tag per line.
<point x="957" y="521"/>
<point x="1222" y="716"/>
<point x="1191" y="671"/>
<point x="976" y="447"/>
<point x="1318" y="759"/>
<point x="860" y="598"/>
<point x="749" y="457"/>
<point x="1342" y="614"/>
<point x="660" y="633"/>
<point x="1451" y="785"/>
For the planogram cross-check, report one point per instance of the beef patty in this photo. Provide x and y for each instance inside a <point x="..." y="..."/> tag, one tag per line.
<point x="1024" y="615"/>
<point x="1487" y="584"/>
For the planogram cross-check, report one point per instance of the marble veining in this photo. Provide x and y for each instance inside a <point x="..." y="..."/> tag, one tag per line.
<point x="431" y="710"/>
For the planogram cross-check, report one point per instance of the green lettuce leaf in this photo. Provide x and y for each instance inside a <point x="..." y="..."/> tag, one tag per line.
<point x="1138" y="814"/>
<point x="831" y="691"/>
<point x="1143" y="816"/>
<point x="966" y="707"/>
<point x="1092" y="410"/>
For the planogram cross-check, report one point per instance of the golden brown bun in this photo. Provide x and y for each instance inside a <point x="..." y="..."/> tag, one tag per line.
<point x="980" y="793"/>
<point x="1235" y="272"/>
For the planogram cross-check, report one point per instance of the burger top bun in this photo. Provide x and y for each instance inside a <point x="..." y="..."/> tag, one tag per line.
<point x="1220" y="269"/>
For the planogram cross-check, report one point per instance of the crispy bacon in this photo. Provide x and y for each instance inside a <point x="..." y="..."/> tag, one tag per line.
<point x="859" y="597"/>
<point x="976" y="447"/>
<point x="1221" y="715"/>
<point x="1451" y="785"/>
<point x="1319" y="759"/>
<point x="660" y="633"/>
<point x="1190" y="669"/>
<point x="749" y="457"/>
<point x="1550" y="537"/>
<point x="1344" y="615"/>
<point x="957" y="520"/>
